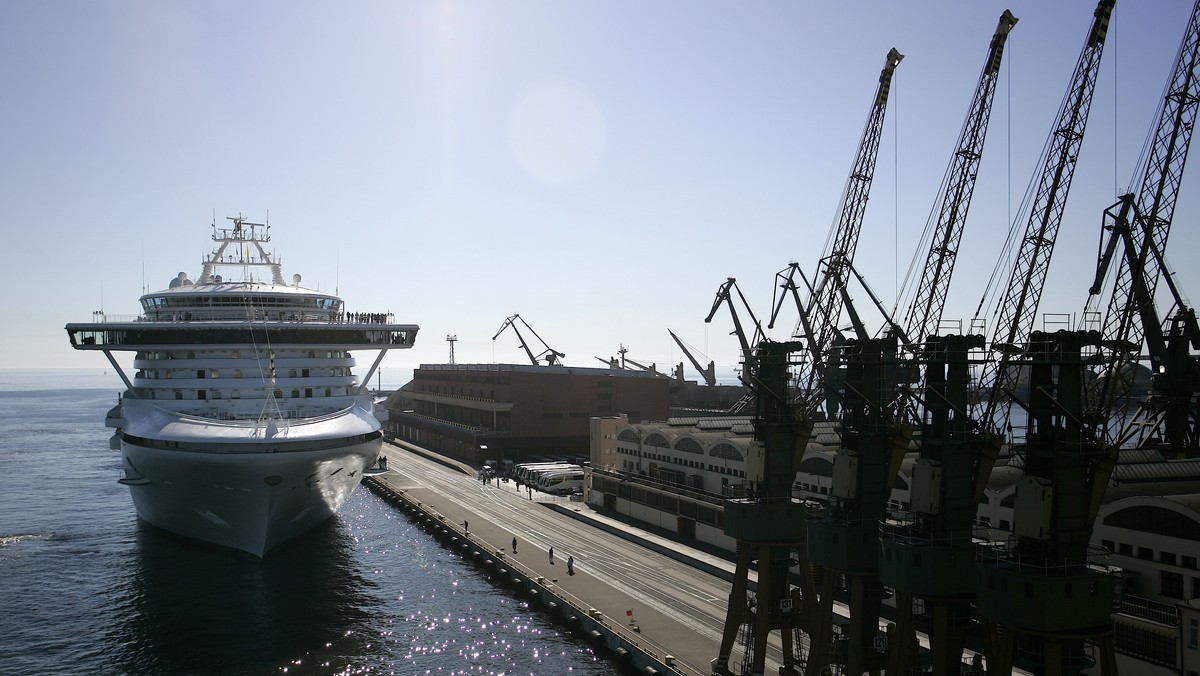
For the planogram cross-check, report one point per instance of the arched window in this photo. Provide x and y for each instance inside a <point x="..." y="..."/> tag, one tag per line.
<point x="689" y="445"/>
<point x="1155" y="520"/>
<point x="728" y="451"/>
<point x="628" y="435"/>
<point x="818" y="466"/>
<point x="657" y="439"/>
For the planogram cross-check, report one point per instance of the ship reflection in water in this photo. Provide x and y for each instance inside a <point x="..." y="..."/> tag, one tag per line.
<point x="368" y="591"/>
<point x="193" y="608"/>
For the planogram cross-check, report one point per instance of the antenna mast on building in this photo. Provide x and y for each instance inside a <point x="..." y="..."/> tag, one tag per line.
<point x="450" y="339"/>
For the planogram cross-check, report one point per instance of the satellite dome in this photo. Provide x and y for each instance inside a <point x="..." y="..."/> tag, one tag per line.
<point x="295" y="280"/>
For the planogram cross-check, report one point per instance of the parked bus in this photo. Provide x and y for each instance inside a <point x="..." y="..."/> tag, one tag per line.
<point x="561" y="484"/>
<point x="534" y="477"/>
<point x="524" y="470"/>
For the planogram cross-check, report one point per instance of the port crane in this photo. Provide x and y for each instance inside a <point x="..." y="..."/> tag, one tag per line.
<point x="550" y="355"/>
<point x="1138" y="227"/>
<point x="709" y="374"/>
<point x="940" y="526"/>
<point x="1036" y="585"/>
<point x="771" y="526"/>
<point x="623" y="362"/>
<point x="847" y="374"/>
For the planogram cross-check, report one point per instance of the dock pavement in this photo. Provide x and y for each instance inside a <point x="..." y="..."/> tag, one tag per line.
<point x="674" y="636"/>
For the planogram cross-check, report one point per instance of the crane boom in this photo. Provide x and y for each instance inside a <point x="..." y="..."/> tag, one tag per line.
<point x="832" y="269"/>
<point x="925" y="313"/>
<point x="1018" y="309"/>
<point x="709" y="374"/>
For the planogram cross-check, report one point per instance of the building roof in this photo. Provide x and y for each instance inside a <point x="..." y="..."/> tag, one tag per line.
<point x="546" y="370"/>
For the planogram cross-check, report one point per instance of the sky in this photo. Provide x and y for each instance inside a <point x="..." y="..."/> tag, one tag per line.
<point x="598" y="167"/>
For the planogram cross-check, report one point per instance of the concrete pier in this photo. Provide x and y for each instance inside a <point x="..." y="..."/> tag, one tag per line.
<point x="654" y="604"/>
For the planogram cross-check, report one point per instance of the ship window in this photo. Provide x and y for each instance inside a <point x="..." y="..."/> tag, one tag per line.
<point x="216" y="394"/>
<point x="236" y="394"/>
<point x="178" y="394"/>
<point x="191" y="355"/>
<point x="291" y="373"/>
<point x="216" y="373"/>
<point x="237" y="373"/>
<point x="200" y="373"/>
<point x="327" y="391"/>
<point x="202" y="394"/>
<point x="308" y="392"/>
<point x="295" y="394"/>
<point x="279" y="394"/>
<point x="236" y="354"/>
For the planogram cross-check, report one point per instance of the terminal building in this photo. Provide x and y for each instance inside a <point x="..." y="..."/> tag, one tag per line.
<point x="480" y="412"/>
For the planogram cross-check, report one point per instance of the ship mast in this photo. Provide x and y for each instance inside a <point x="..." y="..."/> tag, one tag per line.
<point x="242" y="236"/>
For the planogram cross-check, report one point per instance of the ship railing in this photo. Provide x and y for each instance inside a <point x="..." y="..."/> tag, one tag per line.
<point x="284" y="316"/>
<point x="117" y="319"/>
<point x="254" y="419"/>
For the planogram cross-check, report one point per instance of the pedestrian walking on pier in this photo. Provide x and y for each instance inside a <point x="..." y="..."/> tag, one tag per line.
<point x="465" y="529"/>
<point x="570" y="565"/>
<point x="552" y="555"/>
<point x="514" y="545"/>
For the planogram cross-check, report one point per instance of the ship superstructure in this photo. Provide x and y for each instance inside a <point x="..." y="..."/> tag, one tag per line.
<point x="243" y="423"/>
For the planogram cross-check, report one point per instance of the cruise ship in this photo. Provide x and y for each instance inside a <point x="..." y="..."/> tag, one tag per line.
<point x="243" y="424"/>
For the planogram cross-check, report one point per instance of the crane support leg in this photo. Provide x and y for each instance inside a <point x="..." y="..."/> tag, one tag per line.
<point x="950" y="620"/>
<point x="738" y="609"/>
<point x="901" y="657"/>
<point x="821" y="633"/>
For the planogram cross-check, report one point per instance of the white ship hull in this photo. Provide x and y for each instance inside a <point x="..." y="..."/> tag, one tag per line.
<point x="227" y="498"/>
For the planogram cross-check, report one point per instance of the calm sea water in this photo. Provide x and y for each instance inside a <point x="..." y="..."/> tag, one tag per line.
<point x="87" y="588"/>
